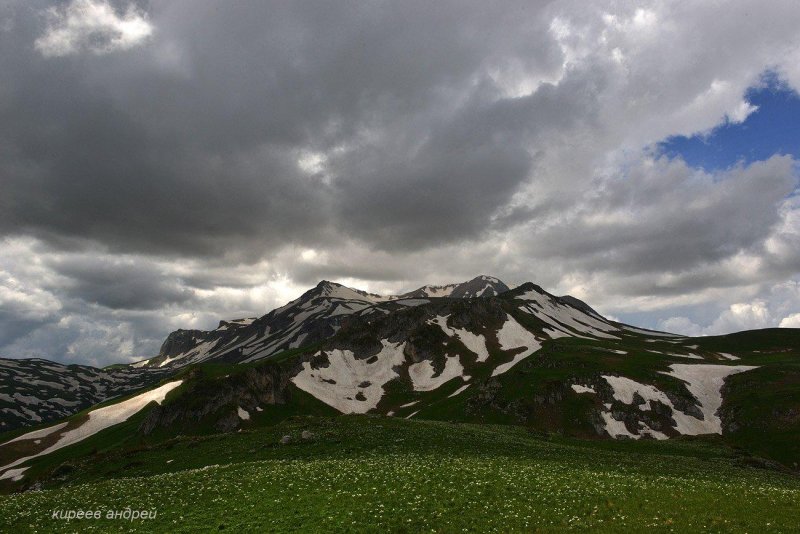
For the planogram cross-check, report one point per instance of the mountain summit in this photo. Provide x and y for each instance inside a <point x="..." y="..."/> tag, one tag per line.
<point x="316" y="315"/>
<point x="480" y="286"/>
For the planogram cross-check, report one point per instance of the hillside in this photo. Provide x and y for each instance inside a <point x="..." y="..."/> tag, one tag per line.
<point x="525" y="358"/>
<point x="371" y="474"/>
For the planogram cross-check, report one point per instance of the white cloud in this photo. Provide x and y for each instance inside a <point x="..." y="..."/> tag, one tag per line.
<point x="21" y="293"/>
<point x="744" y="316"/>
<point x="741" y="112"/>
<point x="775" y="307"/>
<point x="93" y="307"/>
<point x="92" y="25"/>
<point x="25" y="302"/>
<point x="680" y="325"/>
<point x="792" y="321"/>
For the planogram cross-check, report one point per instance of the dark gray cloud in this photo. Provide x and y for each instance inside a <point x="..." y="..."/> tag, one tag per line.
<point x="189" y="144"/>
<point x="119" y="284"/>
<point x="13" y="326"/>
<point x="663" y="216"/>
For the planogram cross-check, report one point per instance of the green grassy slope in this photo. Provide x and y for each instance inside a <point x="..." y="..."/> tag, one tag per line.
<point x="360" y="473"/>
<point x="761" y="412"/>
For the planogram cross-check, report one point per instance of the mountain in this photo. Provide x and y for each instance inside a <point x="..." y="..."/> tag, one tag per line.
<point x="480" y="286"/>
<point x="317" y="315"/>
<point x="523" y="357"/>
<point x="58" y="391"/>
<point x="451" y="349"/>
<point x="35" y="390"/>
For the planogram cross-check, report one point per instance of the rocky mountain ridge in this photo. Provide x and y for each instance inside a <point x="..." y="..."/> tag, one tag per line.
<point x="523" y="357"/>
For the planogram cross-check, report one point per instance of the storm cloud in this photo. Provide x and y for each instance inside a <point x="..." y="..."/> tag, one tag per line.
<point x="167" y="164"/>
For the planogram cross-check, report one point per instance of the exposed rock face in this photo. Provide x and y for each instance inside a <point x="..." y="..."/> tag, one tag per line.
<point x="219" y="400"/>
<point x="422" y="338"/>
<point x="490" y="396"/>
<point x="476" y="315"/>
<point x="579" y="304"/>
<point x="180" y="341"/>
<point x="480" y="286"/>
<point x="314" y="317"/>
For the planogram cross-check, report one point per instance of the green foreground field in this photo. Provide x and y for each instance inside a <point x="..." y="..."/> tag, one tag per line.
<point x="377" y="474"/>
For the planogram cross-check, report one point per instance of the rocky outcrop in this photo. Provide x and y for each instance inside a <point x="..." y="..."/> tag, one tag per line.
<point x="181" y="341"/>
<point x="217" y="400"/>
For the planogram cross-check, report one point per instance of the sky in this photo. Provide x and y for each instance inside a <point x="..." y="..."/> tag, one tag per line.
<point x="167" y="164"/>
<point x="772" y="127"/>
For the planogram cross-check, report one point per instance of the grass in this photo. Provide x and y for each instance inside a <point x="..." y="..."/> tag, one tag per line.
<point x="373" y="474"/>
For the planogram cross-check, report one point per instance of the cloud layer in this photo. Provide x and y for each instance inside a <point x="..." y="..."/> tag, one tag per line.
<point x="91" y="25"/>
<point x="166" y="164"/>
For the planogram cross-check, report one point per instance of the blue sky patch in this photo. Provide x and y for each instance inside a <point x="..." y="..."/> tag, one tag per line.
<point x="774" y="128"/>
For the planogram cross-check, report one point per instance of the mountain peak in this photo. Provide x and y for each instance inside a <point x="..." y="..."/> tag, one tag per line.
<point x="480" y="286"/>
<point x="529" y="286"/>
<point x="485" y="278"/>
<point x="326" y="288"/>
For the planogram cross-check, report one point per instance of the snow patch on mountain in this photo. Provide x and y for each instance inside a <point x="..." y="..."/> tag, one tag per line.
<point x="458" y="391"/>
<point x="513" y="335"/>
<point x="705" y="382"/>
<point x="14" y="474"/>
<point x="625" y="388"/>
<point x="349" y="384"/>
<point x="555" y="333"/>
<point x="691" y="355"/>
<point x="35" y="390"/>
<point x="36" y="434"/>
<point x="480" y="286"/>
<point x="617" y="429"/>
<point x="474" y="342"/>
<point x="558" y="315"/>
<point x="243" y="322"/>
<point x="424" y="377"/>
<point x="99" y="419"/>
<point x="437" y="291"/>
<point x="197" y="354"/>
<point x="338" y="291"/>
<point x="412" y="302"/>
<point x="649" y="332"/>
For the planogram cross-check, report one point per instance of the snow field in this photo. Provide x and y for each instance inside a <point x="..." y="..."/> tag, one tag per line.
<point x="474" y="342"/>
<point x="512" y="335"/>
<point x="704" y="382"/>
<point x="422" y="374"/>
<point x="99" y="419"/>
<point x="349" y="376"/>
